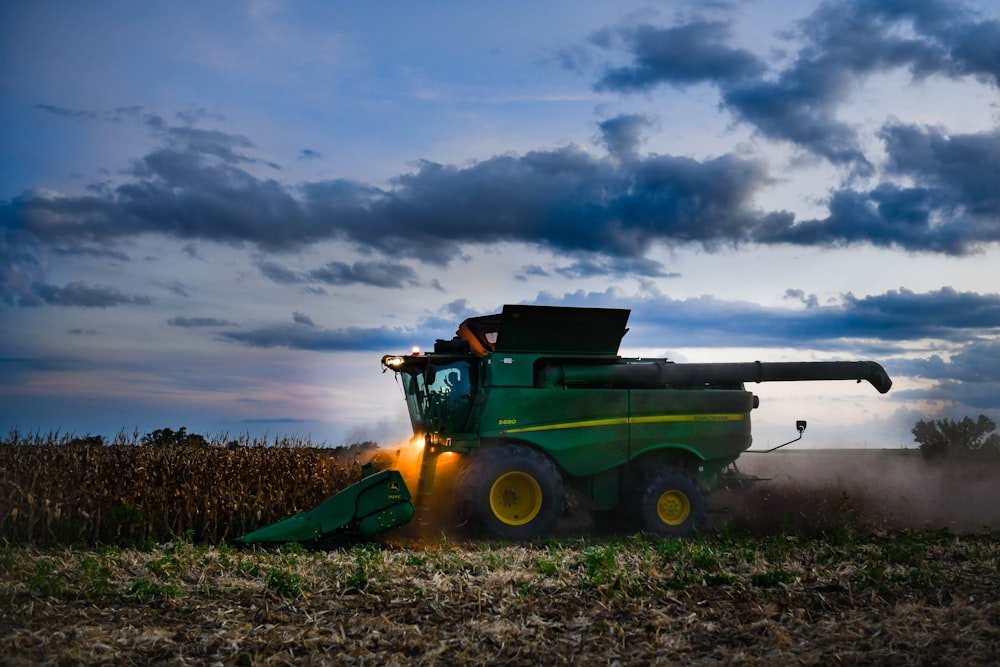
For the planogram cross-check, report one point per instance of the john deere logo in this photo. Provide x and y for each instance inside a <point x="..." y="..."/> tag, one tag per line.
<point x="394" y="486"/>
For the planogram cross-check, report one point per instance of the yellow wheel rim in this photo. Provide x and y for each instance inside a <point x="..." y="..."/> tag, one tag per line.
<point x="673" y="507"/>
<point x="515" y="498"/>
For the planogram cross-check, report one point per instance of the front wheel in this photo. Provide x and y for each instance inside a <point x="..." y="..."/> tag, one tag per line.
<point x="514" y="492"/>
<point x="671" y="504"/>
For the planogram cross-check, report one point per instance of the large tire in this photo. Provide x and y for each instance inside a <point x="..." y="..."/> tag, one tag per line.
<point x="671" y="504"/>
<point x="513" y="492"/>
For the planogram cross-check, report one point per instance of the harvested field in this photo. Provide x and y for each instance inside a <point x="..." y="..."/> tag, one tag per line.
<point x="908" y="598"/>
<point x="841" y="558"/>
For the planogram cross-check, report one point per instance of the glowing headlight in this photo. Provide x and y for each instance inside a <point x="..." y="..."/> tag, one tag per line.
<point x="393" y="362"/>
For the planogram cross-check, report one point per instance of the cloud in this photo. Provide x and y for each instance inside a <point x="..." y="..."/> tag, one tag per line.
<point x="839" y="45"/>
<point x="565" y="199"/>
<point x="198" y="184"/>
<point x="623" y="134"/>
<point x="952" y="206"/>
<point x="305" y="335"/>
<point x="970" y="377"/>
<point x="302" y="318"/>
<point x="678" y="55"/>
<point x="375" y="273"/>
<point x="954" y="167"/>
<point x="532" y="271"/>
<point x="977" y="362"/>
<point x="896" y="316"/>
<point x="810" y="301"/>
<point x="615" y="266"/>
<point x="299" y="337"/>
<point x="873" y="323"/>
<point x="75" y="114"/>
<point x="278" y="273"/>
<point x="197" y="322"/>
<point x="77" y="294"/>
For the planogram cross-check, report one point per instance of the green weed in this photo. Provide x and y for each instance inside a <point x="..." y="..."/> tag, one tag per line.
<point x="96" y="577"/>
<point x="144" y="590"/>
<point x="284" y="583"/>
<point x="771" y="578"/>
<point x="44" y="579"/>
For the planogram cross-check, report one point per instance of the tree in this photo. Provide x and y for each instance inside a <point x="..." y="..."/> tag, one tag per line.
<point x="946" y="438"/>
<point x="162" y="437"/>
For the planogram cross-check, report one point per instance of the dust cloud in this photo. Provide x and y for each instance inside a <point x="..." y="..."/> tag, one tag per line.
<point x="813" y="490"/>
<point x="805" y="492"/>
<point x="438" y="516"/>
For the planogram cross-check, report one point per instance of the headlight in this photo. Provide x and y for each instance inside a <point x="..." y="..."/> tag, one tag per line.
<point x="392" y="362"/>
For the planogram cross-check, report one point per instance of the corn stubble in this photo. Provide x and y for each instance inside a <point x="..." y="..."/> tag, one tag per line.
<point x="71" y="490"/>
<point x="909" y="598"/>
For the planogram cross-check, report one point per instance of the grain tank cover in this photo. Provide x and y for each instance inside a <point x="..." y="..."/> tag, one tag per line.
<point x="559" y="330"/>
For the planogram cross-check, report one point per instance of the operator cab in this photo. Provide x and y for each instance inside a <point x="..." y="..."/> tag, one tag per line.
<point x="438" y="390"/>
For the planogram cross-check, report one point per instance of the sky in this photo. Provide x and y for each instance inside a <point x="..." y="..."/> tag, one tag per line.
<point x="219" y="216"/>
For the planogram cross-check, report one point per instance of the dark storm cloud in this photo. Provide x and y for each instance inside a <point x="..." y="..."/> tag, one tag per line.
<point x="953" y="208"/>
<point x="839" y="45"/>
<point x="678" y="55"/>
<point x="565" y="199"/>
<point x="956" y="167"/>
<point x="193" y="192"/>
<point x="207" y="185"/>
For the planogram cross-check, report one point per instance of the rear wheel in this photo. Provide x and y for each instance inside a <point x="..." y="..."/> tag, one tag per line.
<point x="672" y="504"/>
<point x="513" y="492"/>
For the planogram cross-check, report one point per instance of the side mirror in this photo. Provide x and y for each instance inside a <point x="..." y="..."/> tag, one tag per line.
<point x="800" y="426"/>
<point x="430" y="374"/>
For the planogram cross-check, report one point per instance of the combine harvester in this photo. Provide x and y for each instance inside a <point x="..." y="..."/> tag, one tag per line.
<point x="536" y="400"/>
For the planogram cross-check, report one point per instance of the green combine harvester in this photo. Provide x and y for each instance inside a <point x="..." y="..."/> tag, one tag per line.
<point x="534" y="401"/>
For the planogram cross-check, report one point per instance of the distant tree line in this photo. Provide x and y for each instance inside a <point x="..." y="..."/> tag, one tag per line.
<point x="946" y="438"/>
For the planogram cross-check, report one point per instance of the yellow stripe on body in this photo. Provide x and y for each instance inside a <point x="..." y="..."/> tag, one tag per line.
<point x="617" y="421"/>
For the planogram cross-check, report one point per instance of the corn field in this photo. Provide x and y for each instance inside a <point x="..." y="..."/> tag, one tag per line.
<point x="130" y="492"/>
